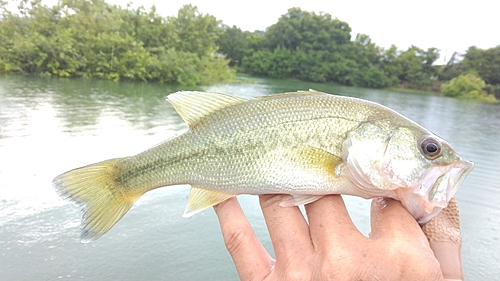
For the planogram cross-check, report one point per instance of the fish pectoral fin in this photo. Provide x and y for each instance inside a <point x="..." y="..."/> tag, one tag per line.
<point x="316" y="161"/>
<point x="193" y="106"/>
<point x="200" y="199"/>
<point x="299" y="199"/>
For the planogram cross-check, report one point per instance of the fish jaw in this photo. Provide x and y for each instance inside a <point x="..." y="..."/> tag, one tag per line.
<point x="437" y="186"/>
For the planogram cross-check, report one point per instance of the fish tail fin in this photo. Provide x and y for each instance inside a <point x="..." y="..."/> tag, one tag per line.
<point x="104" y="201"/>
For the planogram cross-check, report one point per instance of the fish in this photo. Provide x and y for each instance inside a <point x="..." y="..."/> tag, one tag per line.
<point x="307" y="144"/>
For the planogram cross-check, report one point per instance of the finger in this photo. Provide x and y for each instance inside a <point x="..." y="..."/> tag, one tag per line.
<point x="443" y="233"/>
<point x="250" y="258"/>
<point x="389" y="219"/>
<point x="287" y="228"/>
<point x="330" y="223"/>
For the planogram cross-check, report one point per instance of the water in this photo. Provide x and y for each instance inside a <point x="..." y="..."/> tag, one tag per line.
<point x="48" y="126"/>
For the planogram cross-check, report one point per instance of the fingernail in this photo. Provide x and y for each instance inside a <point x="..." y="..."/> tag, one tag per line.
<point x="380" y="201"/>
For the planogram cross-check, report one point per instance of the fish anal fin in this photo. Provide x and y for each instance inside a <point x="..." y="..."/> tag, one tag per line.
<point x="201" y="199"/>
<point x="300" y="199"/>
<point x="193" y="106"/>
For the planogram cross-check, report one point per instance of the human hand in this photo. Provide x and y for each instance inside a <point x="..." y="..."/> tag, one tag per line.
<point x="329" y="247"/>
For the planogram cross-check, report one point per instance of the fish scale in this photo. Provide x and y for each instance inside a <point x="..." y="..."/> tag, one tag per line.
<point x="307" y="144"/>
<point x="226" y="141"/>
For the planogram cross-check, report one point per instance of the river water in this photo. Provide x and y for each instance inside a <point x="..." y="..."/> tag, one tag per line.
<point x="48" y="126"/>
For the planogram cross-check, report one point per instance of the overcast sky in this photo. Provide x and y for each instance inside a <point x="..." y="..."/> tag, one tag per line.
<point x="447" y="25"/>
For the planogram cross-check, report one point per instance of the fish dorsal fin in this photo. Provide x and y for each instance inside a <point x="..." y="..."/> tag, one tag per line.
<point x="290" y="94"/>
<point x="193" y="106"/>
<point x="200" y="199"/>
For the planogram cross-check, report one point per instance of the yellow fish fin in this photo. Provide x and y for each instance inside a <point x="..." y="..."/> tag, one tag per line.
<point x="319" y="160"/>
<point x="314" y="161"/>
<point x="300" y="199"/>
<point x="200" y="199"/>
<point x="103" y="200"/>
<point x="193" y="106"/>
<point x="290" y="94"/>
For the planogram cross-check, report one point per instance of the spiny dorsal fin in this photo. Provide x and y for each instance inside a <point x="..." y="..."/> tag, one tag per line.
<point x="192" y="106"/>
<point x="291" y="94"/>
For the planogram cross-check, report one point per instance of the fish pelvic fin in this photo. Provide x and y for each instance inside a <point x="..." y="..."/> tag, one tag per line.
<point x="299" y="199"/>
<point x="103" y="200"/>
<point x="201" y="199"/>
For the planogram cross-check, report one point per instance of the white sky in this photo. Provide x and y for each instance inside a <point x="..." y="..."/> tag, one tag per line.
<point x="447" y="25"/>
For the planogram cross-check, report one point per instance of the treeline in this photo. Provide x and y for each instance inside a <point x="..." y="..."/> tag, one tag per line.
<point x="316" y="47"/>
<point x="81" y="38"/>
<point x="90" y="38"/>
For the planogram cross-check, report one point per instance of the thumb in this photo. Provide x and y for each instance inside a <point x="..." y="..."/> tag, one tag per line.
<point x="445" y="240"/>
<point x="390" y="218"/>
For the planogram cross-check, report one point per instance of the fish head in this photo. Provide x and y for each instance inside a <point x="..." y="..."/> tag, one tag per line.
<point x="407" y="163"/>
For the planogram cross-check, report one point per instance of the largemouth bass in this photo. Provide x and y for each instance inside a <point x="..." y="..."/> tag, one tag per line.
<point x="307" y="144"/>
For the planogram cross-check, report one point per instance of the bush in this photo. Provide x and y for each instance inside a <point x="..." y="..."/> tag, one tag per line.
<point x="468" y="86"/>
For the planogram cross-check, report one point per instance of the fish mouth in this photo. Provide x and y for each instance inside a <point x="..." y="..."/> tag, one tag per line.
<point x="438" y="186"/>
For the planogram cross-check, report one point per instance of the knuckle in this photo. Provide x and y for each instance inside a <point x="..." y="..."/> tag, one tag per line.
<point x="414" y="260"/>
<point x="298" y="273"/>
<point x="339" y="265"/>
<point x="236" y="239"/>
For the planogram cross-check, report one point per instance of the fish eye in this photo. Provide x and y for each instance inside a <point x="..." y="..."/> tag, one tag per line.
<point x="431" y="148"/>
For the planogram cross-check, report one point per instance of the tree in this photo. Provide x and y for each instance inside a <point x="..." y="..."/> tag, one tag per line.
<point x="195" y="32"/>
<point x="416" y="67"/>
<point x="316" y="47"/>
<point x="368" y="63"/>
<point x="390" y="66"/>
<point x="307" y="31"/>
<point x="78" y="38"/>
<point x="486" y="63"/>
<point x="233" y="42"/>
<point x="452" y="69"/>
<point x="429" y="58"/>
<point x="279" y="63"/>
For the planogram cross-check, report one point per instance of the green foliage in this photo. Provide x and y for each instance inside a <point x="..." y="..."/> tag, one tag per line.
<point x="486" y="63"/>
<point x="416" y="68"/>
<point x="82" y="38"/>
<point x="316" y="47"/>
<point x="233" y="42"/>
<point x="479" y="67"/>
<point x="493" y="90"/>
<point x="452" y="69"/>
<point x="94" y="39"/>
<point x="468" y="86"/>
<point x="390" y="66"/>
<point x="307" y="31"/>
<point x="277" y="64"/>
<point x="195" y="33"/>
